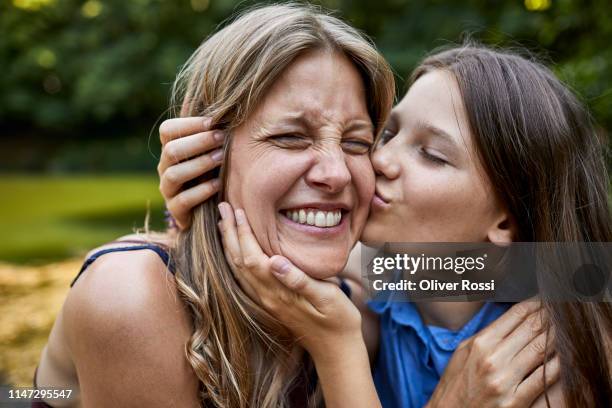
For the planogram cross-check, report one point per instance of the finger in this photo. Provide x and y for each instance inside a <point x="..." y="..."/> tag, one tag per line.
<point x="524" y="334"/>
<point x="244" y="284"/>
<point x="533" y="355"/>
<point x="230" y="235"/>
<point x="175" y="128"/>
<point x="317" y="292"/>
<point x="506" y="324"/>
<point x="252" y="255"/>
<point x="534" y="385"/>
<point x="244" y="262"/>
<point x="180" y="206"/>
<point x="188" y="146"/>
<point x="175" y="176"/>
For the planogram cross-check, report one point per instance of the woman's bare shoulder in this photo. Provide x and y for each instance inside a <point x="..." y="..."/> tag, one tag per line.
<point x="122" y="287"/>
<point x="124" y="315"/>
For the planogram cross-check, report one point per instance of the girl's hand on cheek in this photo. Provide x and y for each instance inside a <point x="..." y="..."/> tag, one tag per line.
<point x="318" y="313"/>
<point x="190" y="148"/>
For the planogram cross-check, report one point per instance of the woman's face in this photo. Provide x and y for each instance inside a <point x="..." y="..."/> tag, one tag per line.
<point x="300" y="166"/>
<point x="430" y="186"/>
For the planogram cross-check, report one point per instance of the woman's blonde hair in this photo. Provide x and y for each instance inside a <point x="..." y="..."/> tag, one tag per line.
<point x="242" y="356"/>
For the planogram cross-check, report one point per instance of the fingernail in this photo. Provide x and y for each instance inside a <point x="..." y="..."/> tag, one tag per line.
<point x="222" y="210"/>
<point x="219" y="135"/>
<point x="240" y="218"/>
<point x="207" y="122"/>
<point x="217" y="155"/>
<point x="216" y="183"/>
<point x="280" y="266"/>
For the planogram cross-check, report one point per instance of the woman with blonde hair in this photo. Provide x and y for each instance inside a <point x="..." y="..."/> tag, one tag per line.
<point x="164" y="323"/>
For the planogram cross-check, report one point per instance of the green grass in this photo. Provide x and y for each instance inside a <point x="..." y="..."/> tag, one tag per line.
<point x="46" y="218"/>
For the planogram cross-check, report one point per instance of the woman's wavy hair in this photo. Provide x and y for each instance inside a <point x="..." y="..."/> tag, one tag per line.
<point x="546" y="162"/>
<point x="241" y="355"/>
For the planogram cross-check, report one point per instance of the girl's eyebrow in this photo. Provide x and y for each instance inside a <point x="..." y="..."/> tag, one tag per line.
<point x="436" y="131"/>
<point x="394" y="119"/>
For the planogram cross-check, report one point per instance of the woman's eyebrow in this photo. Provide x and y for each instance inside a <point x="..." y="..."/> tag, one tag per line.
<point x="291" y="120"/>
<point x="359" y="124"/>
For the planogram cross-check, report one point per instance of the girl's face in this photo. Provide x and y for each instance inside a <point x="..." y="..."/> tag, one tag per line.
<point x="300" y="165"/>
<point x="430" y="186"/>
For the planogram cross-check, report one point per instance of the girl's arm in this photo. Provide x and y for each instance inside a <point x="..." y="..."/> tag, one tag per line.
<point x="369" y="320"/>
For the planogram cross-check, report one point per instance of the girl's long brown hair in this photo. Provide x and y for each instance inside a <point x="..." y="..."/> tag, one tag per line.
<point x="242" y="356"/>
<point x="545" y="160"/>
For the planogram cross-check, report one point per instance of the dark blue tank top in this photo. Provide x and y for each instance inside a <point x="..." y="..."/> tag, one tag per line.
<point x="163" y="254"/>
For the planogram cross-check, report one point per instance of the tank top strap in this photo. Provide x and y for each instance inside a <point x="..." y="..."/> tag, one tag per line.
<point x="163" y="254"/>
<point x="344" y="287"/>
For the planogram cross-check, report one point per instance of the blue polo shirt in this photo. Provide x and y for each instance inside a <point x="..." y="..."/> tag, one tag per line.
<point x="412" y="355"/>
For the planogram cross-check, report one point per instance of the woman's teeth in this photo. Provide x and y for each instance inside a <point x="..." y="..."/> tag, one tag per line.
<point x="315" y="217"/>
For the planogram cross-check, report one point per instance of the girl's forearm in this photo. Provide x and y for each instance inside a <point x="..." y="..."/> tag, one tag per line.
<point x="346" y="377"/>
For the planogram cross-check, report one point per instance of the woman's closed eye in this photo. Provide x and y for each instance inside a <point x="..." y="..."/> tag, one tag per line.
<point x="356" y="146"/>
<point x="291" y="141"/>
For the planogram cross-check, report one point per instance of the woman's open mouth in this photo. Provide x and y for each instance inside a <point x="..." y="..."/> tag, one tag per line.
<point x="315" y="217"/>
<point x="316" y="220"/>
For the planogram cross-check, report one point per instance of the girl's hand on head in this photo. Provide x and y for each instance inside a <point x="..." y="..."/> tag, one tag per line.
<point x="503" y="365"/>
<point x="317" y="312"/>
<point x="190" y="148"/>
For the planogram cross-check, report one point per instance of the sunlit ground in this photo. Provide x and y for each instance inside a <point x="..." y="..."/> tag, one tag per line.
<point x="31" y="297"/>
<point x="48" y="224"/>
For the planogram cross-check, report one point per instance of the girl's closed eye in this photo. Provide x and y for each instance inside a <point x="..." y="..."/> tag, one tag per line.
<point x="432" y="156"/>
<point x="386" y="135"/>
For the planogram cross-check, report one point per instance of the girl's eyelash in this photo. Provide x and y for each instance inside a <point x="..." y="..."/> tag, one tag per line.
<point x="431" y="157"/>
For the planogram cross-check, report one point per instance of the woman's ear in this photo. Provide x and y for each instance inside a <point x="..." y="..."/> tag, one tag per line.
<point x="503" y="230"/>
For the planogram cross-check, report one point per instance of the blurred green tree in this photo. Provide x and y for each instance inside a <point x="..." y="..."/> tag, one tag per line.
<point x="99" y="68"/>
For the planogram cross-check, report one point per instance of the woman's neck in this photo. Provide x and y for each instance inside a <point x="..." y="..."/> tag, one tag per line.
<point x="450" y="315"/>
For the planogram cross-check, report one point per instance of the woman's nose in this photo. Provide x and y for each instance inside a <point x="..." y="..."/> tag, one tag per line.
<point x="385" y="163"/>
<point x="329" y="172"/>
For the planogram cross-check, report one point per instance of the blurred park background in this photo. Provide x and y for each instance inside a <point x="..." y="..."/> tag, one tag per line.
<point x="84" y="85"/>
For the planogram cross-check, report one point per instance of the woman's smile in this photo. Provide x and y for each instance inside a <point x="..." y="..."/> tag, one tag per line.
<point x="324" y="220"/>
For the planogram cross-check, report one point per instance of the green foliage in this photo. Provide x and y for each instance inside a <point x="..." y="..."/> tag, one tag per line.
<point x="97" y="69"/>
<point x="68" y="63"/>
<point x="48" y="218"/>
